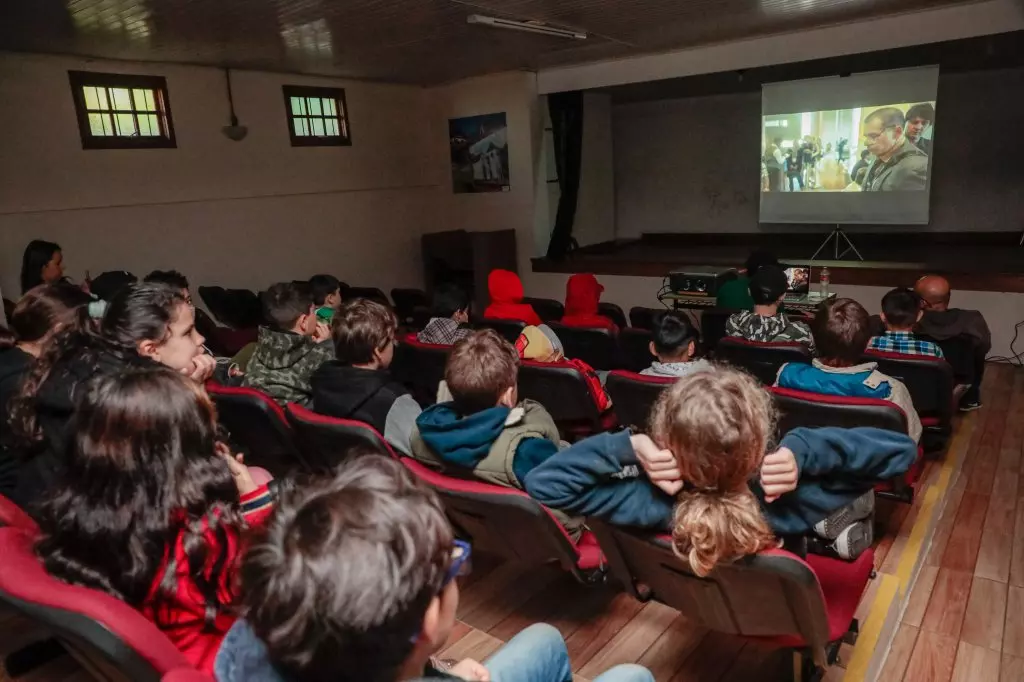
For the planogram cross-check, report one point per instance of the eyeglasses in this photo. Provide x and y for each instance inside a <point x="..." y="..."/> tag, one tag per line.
<point x="460" y="565"/>
<point x="871" y="137"/>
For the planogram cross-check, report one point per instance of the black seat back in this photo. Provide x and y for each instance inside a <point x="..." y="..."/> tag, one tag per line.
<point x="763" y="360"/>
<point x="633" y="396"/>
<point x="370" y="293"/>
<point x="771" y="594"/>
<point x="509" y="329"/>
<point x="635" y="349"/>
<point x="962" y="355"/>
<point x="596" y="347"/>
<point x="258" y="428"/>
<point x="216" y="301"/>
<point x="803" y="408"/>
<point x="547" y="309"/>
<point x="327" y="442"/>
<point x="563" y="392"/>
<point x="613" y="312"/>
<point x="407" y="302"/>
<point x="243" y="309"/>
<point x="712" y="327"/>
<point x="420" y="367"/>
<point x="643" y="318"/>
<point x="929" y="381"/>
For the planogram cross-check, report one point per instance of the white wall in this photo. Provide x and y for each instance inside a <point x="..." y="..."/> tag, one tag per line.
<point x="233" y="213"/>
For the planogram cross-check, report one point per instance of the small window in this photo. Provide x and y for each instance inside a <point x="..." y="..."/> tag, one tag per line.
<point x="117" y="111"/>
<point x="316" y="116"/>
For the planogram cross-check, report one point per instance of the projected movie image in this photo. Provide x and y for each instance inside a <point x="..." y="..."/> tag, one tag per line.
<point x="885" y="148"/>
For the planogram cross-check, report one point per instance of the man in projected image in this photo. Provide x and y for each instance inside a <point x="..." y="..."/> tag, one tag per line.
<point x="899" y="165"/>
<point x="919" y="118"/>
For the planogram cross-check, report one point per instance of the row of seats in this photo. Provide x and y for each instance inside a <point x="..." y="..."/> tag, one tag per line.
<point x="806" y="604"/>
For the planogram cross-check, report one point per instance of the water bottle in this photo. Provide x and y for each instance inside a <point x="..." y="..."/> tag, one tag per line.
<point x="826" y="277"/>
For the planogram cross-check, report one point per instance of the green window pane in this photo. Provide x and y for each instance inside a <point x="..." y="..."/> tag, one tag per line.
<point x="150" y="101"/>
<point x="296" y="105"/>
<point x="318" y="126"/>
<point x="125" y="125"/>
<point x="140" y="100"/>
<point x="301" y="129"/>
<point x="122" y="99"/>
<point x="331" y="125"/>
<point x="144" y="129"/>
<point x="101" y="94"/>
<point x="91" y="100"/>
<point x="154" y="125"/>
<point x="314" y="105"/>
<point x="96" y="124"/>
<point x="329" y="106"/>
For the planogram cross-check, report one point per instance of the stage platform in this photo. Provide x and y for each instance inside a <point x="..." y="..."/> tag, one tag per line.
<point x="972" y="261"/>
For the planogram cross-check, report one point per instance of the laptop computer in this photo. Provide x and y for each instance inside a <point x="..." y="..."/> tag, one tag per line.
<point x="798" y="280"/>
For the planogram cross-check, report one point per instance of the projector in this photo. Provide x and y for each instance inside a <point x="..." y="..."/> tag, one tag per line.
<point x="699" y="280"/>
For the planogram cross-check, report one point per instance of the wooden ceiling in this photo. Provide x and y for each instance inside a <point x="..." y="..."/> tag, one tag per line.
<point x="408" y="41"/>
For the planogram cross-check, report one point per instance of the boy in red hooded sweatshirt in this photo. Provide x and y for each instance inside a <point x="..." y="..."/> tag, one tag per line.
<point x="582" y="296"/>
<point x="506" y="292"/>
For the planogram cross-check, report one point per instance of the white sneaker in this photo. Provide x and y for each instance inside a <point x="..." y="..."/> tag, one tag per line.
<point x="854" y="539"/>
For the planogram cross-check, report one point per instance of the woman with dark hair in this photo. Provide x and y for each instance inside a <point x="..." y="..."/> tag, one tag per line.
<point x="144" y="323"/>
<point x="152" y="507"/>
<point x="36" y="318"/>
<point x="42" y="263"/>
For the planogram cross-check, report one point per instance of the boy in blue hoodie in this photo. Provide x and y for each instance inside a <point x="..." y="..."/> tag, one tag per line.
<point x="842" y="331"/>
<point x="485" y="431"/>
<point x="703" y="473"/>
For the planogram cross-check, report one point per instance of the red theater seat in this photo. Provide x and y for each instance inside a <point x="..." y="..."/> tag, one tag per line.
<point x="325" y="441"/>
<point x="633" y="396"/>
<point x="509" y="523"/>
<point x="564" y="393"/>
<point x="112" y="636"/>
<point x="774" y="597"/>
<point x="186" y="675"/>
<point x="258" y="427"/>
<point x="14" y="516"/>
<point x="763" y="360"/>
<point x="420" y="367"/>
<point x="803" y="408"/>
<point x="931" y="385"/>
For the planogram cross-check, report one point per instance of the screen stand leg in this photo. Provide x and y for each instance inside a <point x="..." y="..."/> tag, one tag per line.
<point x="836" y="237"/>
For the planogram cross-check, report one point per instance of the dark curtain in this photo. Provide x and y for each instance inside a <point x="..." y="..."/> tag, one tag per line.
<point x="567" y="125"/>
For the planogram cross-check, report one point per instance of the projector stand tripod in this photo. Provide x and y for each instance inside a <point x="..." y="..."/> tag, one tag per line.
<point x="835" y="236"/>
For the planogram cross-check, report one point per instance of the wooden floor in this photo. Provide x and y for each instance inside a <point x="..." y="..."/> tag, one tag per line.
<point x="964" y="619"/>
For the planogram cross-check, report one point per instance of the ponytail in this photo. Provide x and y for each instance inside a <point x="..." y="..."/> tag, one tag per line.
<point x="711" y="527"/>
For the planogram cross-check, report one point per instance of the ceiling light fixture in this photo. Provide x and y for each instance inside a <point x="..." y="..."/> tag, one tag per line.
<point x="527" y="26"/>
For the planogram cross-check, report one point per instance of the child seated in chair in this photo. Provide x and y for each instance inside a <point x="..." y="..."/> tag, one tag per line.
<point x="484" y="431"/>
<point x="674" y="344"/>
<point x="765" y="323"/>
<point x="355" y="581"/>
<point x="708" y="473"/>
<point x="357" y="384"/>
<point x="326" y="296"/>
<point x="582" y="301"/>
<point x="842" y="331"/>
<point x="291" y="348"/>
<point x="506" y="290"/>
<point x="450" y="322"/>
<point x="540" y="344"/>
<point x="901" y="310"/>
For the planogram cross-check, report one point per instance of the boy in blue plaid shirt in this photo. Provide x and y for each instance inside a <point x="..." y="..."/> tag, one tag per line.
<point x="901" y="310"/>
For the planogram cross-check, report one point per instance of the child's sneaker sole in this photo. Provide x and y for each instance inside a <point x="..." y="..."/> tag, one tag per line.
<point x="854" y="540"/>
<point x="831" y="527"/>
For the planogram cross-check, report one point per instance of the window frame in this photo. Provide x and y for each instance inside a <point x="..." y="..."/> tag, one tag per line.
<point x="338" y="95"/>
<point x="82" y="79"/>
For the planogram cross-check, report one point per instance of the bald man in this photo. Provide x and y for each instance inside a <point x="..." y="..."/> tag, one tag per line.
<point x="941" y="322"/>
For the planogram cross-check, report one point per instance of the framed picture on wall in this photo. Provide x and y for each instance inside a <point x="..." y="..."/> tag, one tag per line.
<point x="479" y="151"/>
